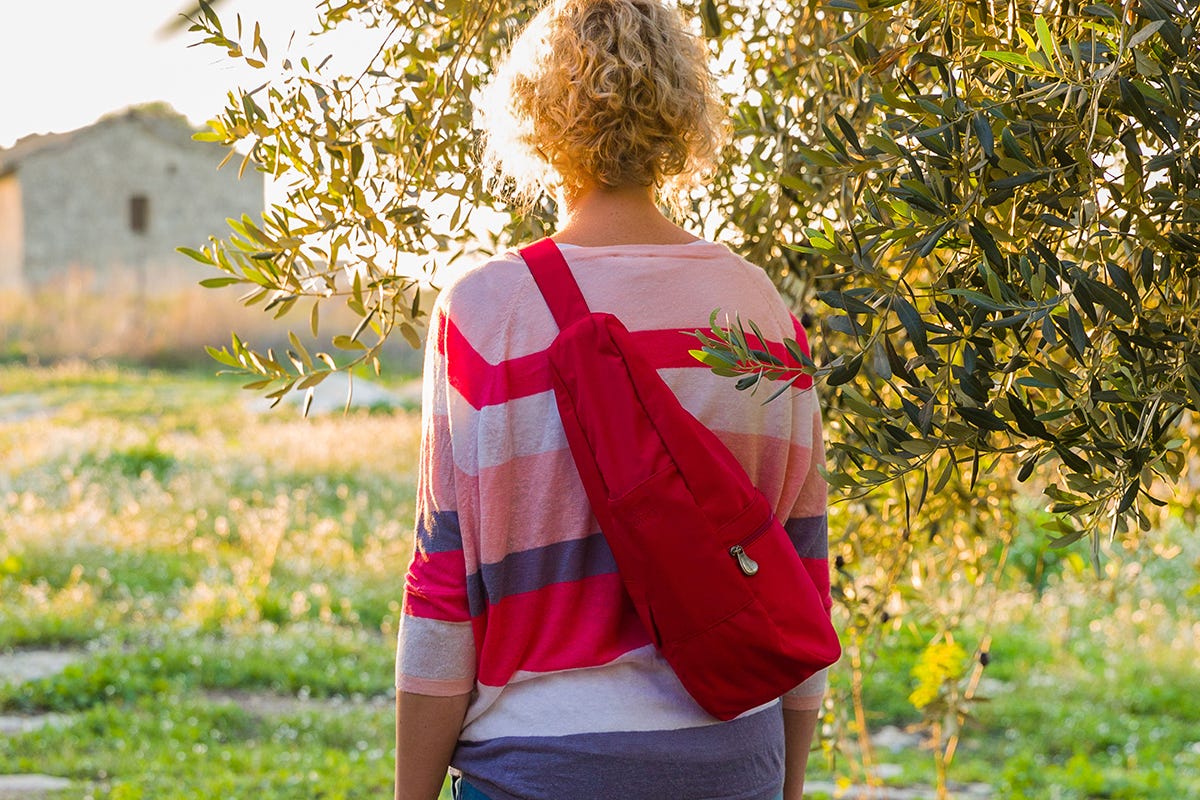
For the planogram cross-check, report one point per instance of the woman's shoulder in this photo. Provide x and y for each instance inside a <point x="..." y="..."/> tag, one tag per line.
<point x="494" y="285"/>
<point x="479" y="284"/>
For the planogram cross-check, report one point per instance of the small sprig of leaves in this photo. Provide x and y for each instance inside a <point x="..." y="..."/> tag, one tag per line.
<point x="730" y="353"/>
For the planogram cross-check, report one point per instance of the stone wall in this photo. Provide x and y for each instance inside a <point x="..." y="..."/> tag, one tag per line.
<point x="10" y="234"/>
<point x="77" y="206"/>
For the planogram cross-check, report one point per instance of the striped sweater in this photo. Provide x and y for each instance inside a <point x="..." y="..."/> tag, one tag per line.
<point x="512" y="593"/>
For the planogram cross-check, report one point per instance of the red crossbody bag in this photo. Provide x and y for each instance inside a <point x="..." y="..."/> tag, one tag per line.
<point x="711" y="571"/>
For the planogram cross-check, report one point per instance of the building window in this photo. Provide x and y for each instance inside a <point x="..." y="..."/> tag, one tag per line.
<point x="139" y="213"/>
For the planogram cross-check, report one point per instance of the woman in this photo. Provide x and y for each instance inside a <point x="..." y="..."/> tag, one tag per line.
<point x="521" y="662"/>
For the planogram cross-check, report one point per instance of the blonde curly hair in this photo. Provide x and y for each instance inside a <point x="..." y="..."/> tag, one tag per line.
<point x="613" y="92"/>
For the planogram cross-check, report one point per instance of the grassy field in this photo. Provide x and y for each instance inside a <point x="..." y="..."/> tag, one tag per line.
<point x="229" y="582"/>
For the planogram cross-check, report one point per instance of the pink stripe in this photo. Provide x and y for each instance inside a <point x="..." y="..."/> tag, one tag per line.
<point x="813" y="497"/>
<point x="572" y="625"/>
<point x="433" y="686"/>
<point x="436" y="587"/>
<point x="437" y="483"/>
<point x="540" y="481"/>
<point x="775" y="466"/>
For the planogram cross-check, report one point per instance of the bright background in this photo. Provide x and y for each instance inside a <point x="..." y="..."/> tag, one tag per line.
<point x="68" y="62"/>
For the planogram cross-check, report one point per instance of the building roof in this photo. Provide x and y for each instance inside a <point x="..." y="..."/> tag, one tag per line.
<point x="158" y="119"/>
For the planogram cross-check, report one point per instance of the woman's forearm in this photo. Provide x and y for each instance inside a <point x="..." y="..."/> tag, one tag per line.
<point x="798" y="730"/>
<point x="427" y="730"/>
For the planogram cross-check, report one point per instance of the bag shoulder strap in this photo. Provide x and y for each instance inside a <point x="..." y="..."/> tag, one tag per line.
<point x="555" y="281"/>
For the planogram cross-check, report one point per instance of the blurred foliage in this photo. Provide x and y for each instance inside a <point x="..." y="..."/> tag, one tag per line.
<point x="993" y="207"/>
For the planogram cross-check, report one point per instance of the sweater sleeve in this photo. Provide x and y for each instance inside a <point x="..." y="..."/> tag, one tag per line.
<point x="808" y="526"/>
<point x="435" y="653"/>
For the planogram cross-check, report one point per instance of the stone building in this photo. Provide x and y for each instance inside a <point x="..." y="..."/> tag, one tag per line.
<point x="112" y="201"/>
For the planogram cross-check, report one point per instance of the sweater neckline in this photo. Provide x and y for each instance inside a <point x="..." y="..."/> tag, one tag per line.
<point x="656" y="245"/>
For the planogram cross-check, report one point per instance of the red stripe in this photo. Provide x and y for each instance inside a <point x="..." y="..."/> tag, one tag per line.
<point x="435" y="587"/>
<point x="485" y="384"/>
<point x="569" y="625"/>
<point x="482" y="383"/>
<point x="818" y="570"/>
<point x="801" y="336"/>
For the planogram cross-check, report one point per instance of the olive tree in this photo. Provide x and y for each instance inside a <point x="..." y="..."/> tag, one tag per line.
<point x="986" y="208"/>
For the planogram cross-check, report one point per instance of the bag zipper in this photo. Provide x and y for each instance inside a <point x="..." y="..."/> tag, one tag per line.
<point x="745" y="563"/>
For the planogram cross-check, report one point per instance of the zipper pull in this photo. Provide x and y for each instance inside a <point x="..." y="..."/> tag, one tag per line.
<point x="747" y="564"/>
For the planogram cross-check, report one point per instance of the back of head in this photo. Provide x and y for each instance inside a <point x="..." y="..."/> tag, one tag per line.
<point x="607" y="92"/>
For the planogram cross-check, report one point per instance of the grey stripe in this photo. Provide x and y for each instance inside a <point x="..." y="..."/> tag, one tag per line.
<point x="439" y="532"/>
<point x="529" y="570"/>
<point x="737" y="760"/>
<point x="809" y="535"/>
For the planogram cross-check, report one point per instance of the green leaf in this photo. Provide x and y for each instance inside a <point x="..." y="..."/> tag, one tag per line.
<point x="1017" y="180"/>
<point x="845" y="301"/>
<point x="987" y="243"/>
<point x="978" y="299"/>
<point x="845" y="372"/>
<point x="982" y="418"/>
<point x="313" y="380"/>
<point x="216" y="283"/>
<point x="747" y="382"/>
<point x="1101" y="10"/>
<point x="1145" y="33"/>
<point x="195" y="255"/>
<point x="1046" y="40"/>
<point x="410" y="335"/>
<point x="983" y="132"/>
<point x="849" y="132"/>
<point x="711" y="18"/>
<point x="1079" y="337"/>
<point x="797" y="352"/>
<point x="343" y="342"/>
<point x="1128" y="496"/>
<point x="222" y="356"/>
<point x="911" y="320"/>
<point x="1008" y="59"/>
<point x="1071" y="536"/>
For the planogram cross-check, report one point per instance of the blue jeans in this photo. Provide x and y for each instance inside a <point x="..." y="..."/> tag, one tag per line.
<point x="461" y="790"/>
<point x="465" y="791"/>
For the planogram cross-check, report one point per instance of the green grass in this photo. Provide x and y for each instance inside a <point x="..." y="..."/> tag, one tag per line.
<point x="180" y="746"/>
<point x="1091" y="684"/>
<point x="189" y="546"/>
<point x="192" y="545"/>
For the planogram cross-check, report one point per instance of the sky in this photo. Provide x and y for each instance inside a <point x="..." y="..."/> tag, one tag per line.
<point x="66" y="63"/>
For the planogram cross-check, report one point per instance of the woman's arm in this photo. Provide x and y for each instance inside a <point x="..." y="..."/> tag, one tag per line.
<point x="427" y="730"/>
<point x="798" y="730"/>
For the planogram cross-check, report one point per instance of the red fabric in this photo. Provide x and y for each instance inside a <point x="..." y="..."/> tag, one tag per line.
<point x="672" y="500"/>
<point x="572" y="635"/>
<point x="429" y="599"/>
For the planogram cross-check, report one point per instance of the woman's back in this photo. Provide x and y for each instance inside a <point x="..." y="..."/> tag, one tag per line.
<point x="512" y="575"/>
<point x="521" y="660"/>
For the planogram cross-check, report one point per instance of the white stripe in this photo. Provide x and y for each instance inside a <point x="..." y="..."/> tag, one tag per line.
<point x="636" y="692"/>
<point x="522" y="427"/>
<point x="434" y="649"/>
